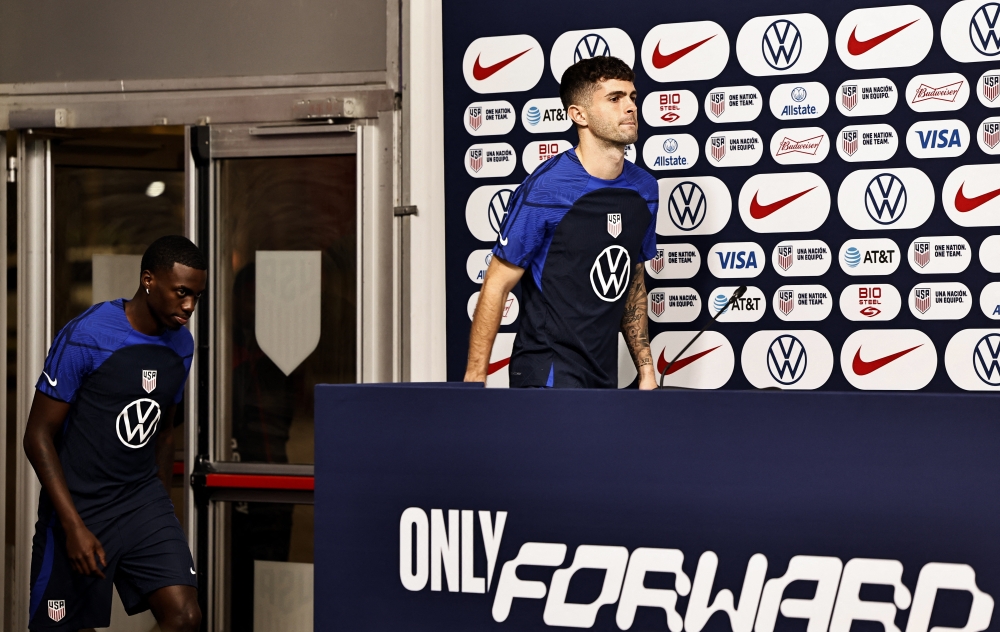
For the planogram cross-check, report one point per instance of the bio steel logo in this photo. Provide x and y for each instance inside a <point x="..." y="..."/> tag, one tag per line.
<point x="537" y="152"/>
<point x="669" y="108"/>
<point x="509" y="63"/>
<point x="685" y="51"/>
<point x="884" y="37"/>
<point x="870" y="301"/>
<point x="782" y="44"/>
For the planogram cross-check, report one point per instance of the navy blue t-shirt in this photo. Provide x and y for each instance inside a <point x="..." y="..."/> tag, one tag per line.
<point x="579" y="239"/>
<point x="119" y="384"/>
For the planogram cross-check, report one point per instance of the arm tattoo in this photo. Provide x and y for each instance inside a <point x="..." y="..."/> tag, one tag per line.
<point x="634" y="321"/>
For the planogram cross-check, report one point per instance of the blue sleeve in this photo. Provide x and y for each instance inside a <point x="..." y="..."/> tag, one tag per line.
<point x="649" y="241"/>
<point x="522" y="232"/>
<point x="183" y="344"/>
<point x="72" y="357"/>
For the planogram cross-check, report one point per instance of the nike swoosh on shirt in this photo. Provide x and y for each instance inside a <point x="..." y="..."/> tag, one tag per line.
<point x="965" y="204"/>
<point x="662" y="61"/>
<point x="192" y="571"/>
<point x="503" y="240"/>
<point x="50" y="380"/>
<point x="861" y="367"/>
<point x="760" y="211"/>
<point x="479" y="72"/>
<point x="857" y="47"/>
<point x="661" y="363"/>
<point x="496" y="366"/>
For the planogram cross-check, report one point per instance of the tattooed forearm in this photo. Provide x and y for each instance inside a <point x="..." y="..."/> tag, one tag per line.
<point x="634" y="325"/>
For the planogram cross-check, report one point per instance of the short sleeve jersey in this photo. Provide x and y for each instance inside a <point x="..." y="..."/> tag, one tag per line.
<point x="119" y="384"/>
<point x="579" y="239"/>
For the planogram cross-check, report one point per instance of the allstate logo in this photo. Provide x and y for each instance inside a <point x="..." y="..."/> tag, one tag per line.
<point x="498" y="209"/>
<point x="786" y="359"/>
<point x="885" y="198"/>
<point x="687" y="206"/>
<point x="720" y="303"/>
<point x="781" y="45"/>
<point x="986" y="359"/>
<point x="591" y="45"/>
<point x="799" y="94"/>
<point x="534" y="115"/>
<point x="852" y="257"/>
<point x="983" y="29"/>
<point x="670" y="145"/>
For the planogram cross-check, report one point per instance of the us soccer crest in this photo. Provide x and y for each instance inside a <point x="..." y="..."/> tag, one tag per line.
<point x="922" y="299"/>
<point x="849" y="140"/>
<point x="475" y="117"/>
<point x="991" y="134"/>
<point x="288" y="313"/>
<point x="849" y="97"/>
<point x="718" y="101"/>
<point x="922" y="253"/>
<point x="718" y="147"/>
<point x="476" y="159"/>
<point x="148" y="380"/>
<point x="57" y="609"/>
<point x="991" y="87"/>
<point x="614" y="224"/>
<point x="656" y="265"/>
<point x="786" y="301"/>
<point x="785" y="258"/>
<point x="657" y="303"/>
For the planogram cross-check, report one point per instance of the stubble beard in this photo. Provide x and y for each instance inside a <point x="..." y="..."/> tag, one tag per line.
<point x="612" y="134"/>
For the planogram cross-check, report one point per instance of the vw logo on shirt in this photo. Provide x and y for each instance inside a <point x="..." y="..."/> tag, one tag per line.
<point x="609" y="276"/>
<point x="137" y="422"/>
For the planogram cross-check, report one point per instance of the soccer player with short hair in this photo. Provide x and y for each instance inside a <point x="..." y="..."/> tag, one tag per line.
<point x="581" y="225"/>
<point x="100" y="437"/>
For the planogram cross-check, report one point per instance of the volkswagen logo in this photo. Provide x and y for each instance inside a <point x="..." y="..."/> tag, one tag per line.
<point x="687" y="206"/>
<point x="670" y="145"/>
<point x="986" y="359"/>
<point x="983" y="29"/>
<point x="781" y="45"/>
<point x="885" y="198"/>
<point x="610" y="273"/>
<point x="591" y="45"/>
<point x="137" y="422"/>
<point x="786" y="359"/>
<point x="498" y="209"/>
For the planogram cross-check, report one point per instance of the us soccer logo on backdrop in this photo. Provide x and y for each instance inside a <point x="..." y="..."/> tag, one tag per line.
<point x="849" y="96"/>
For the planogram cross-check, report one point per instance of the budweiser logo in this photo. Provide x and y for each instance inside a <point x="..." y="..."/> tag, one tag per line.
<point x="944" y="93"/>
<point x="807" y="146"/>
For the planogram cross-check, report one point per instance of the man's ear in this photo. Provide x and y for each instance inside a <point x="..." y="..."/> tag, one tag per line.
<point x="577" y="115"/>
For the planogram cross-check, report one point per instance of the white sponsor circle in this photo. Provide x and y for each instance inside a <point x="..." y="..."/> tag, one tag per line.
<point x="498" y="373"/>
<point x="574" y="46"/>
<point x="802" y="302"/>
<point x="969" y="31"/>
<point x="938" y="139"/>
<point x="477" y="263"/>
<point x="489" y="118"/>
<point x="685" y="51"/>
<point x="801" y="258"/>
<point x="630" y="153"/>
<point x="735" y="148"/>
<point x="490" y="160"/>
<point x="800" y="146"/>
<point x="793" y="101"/>
<point x="972" y="359"/>
<point x="988" y="88"/>
<point x="939" y="255"/>
<point x="884" y="37"/>
<point x="784" y="202"/>
<point x="988" y="136"/>
<point x="537" y="152"/>
<point x="989" y="254"/>
<point x="888" y="359"/>
<point x="989" y="300"/>
<point x="782" y="44"/>
<point x="869" y="257"/>
<point x="674" y="261"/>
<point x="707" y="364"/>
<point x="867" y="143"/>
<point x="789" y="359"/>
<point x="942" y="92"/>
<point x="940" y="301"/>
<point x="866" y="97"/>
<point x="886" y="199"/>
<point x="748" y="308"/>
<point x="970" y="195"/>
<point x="508" y="63"/>
<point x="486" y="210"/>
<point x="545" y="116"/>
<point x="870" y="301"/>
<point x="733" y="104"/>
<point x="669" y="108"/>
<point x="510" y="310"/>
<point x="673" y="304"/>
<point x="736" y="260"/>
<point x="670" y="151"/>
<point x="699" y="205"/>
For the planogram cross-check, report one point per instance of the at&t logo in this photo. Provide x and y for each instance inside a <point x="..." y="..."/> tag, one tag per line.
<point x="885" y="198"/>
<point x="591" y="45"/>
<point x="983" y="29"/>
<point x="786" y="359"/>
<point x="687" y="206"/>
<point x="609" y="276"/>
<point x="781" y="44"/>
<point x="137" y="422"/>
<point x="986" y="359"/>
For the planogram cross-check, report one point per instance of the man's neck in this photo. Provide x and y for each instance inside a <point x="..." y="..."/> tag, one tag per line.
<point x="600" y="158"/>
<point x="140" y="317"/>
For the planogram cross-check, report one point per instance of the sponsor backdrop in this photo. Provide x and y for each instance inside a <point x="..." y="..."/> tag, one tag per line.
<point x="838" y="159"/>
<point x="440" y="510"/>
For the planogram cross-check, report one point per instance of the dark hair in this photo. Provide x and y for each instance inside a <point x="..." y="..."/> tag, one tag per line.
<point x="163" y="253"/>
<point x="581" y="79"/>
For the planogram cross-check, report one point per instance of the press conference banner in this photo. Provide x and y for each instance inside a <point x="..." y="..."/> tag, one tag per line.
<point x="450" y="509"/>
<point x="838" y="158"/>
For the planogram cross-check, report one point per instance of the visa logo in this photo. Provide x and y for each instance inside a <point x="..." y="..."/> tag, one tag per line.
<point x="939" y="139"/>
<point x="737" y="260"/>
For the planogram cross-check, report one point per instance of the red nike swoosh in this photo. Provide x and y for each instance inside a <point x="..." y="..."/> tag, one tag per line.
<point x="662" y="61"/>
<point x="485" y="72"/>
<point x="681" y="362"/>
<point x="496" y="366"/>
<point x="760" y="211"/>
<point x="857" y="47"/>
<point x="964" y="204"/>
<point x="860" y="367"/>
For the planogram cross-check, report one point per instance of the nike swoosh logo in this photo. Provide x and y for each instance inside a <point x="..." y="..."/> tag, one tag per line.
<point x="965" y="204"/>
<point x="192" y="571"/>
<point x="857" y="47"/>
<point x="496" y="366"/>
<point x="479" y="72"/>
<point x="503" y="240"/>
<point x="662" y="61"/>
<point x="50" y="380"/>
<point x="661" y="363"/>
<point x="860" y="367"/>
<point x="760" y="211"/>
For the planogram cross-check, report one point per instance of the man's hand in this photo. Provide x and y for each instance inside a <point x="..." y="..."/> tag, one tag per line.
<point x="84" y="551"/>
<point x="501" y="277"/>
<point x="635" y="329"/>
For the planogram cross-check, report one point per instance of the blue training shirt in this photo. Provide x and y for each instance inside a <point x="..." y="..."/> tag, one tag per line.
<point x="579" y="239"/>
<point x="119" y="384"/>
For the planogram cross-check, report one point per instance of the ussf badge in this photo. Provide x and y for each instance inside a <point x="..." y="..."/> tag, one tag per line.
<point x="57" y="609"/>
<point x="148" y="380"/>
<point x="614" y="224"/>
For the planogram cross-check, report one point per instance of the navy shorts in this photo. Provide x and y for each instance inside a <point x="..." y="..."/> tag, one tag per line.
<point x="145" y="550"/>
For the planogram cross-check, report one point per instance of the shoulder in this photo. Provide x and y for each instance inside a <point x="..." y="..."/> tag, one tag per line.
<point x="557" y="181"/>
<point x="643" y="183"/>
<point x="100" y="327"/>
<point x="181" y="342"/>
